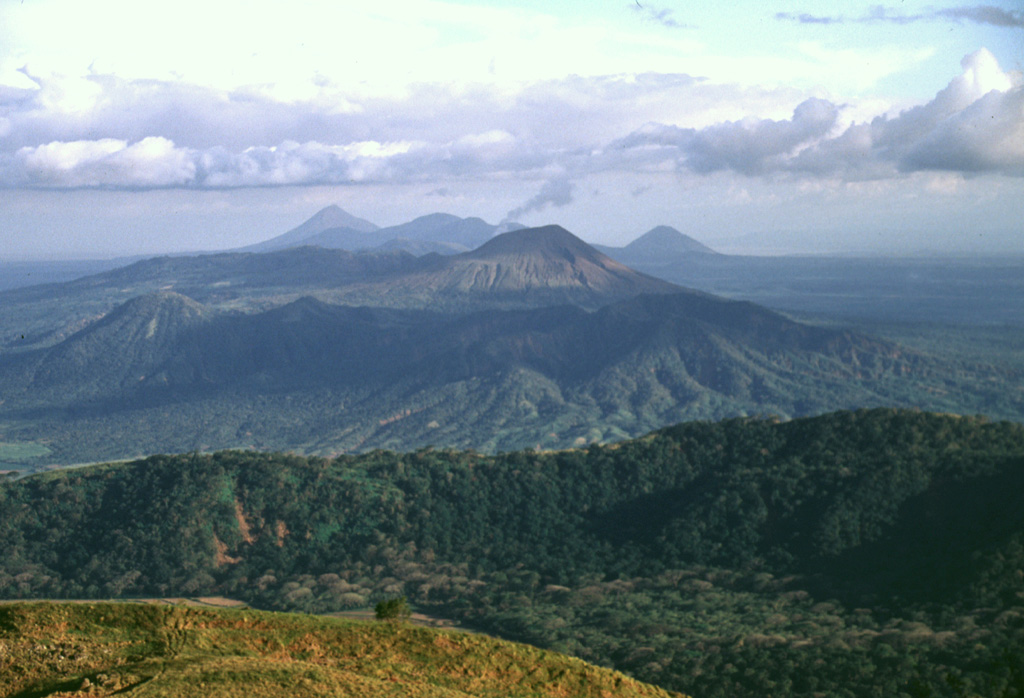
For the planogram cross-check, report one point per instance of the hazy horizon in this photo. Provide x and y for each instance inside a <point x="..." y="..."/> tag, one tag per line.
<point x="132" y="129"/>
<point x="750" y="244"/>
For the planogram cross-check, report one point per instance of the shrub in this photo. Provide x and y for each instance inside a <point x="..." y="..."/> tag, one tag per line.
<point x="396" y="609"/>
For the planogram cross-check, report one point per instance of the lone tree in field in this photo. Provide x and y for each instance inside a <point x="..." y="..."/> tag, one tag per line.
<point x="393" y="609"/>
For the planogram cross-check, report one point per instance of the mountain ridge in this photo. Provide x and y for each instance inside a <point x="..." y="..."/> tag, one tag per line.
<point x="541" y="266"/>
<point x="334" y="228"/>
<point x="534" y="338"/>
<point x="489" y="379"/>
<point x="327" y="218"/>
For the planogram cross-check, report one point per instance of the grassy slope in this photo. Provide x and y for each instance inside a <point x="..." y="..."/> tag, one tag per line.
<point x="50" y="649"/>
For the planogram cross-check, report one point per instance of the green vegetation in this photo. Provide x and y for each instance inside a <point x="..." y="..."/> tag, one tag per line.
<point x="134" y="650"/>
<point x="19" y="454"/>
<point x="275" y="351"/>
<point x="393" y="609"/>
<point x="876" y="552"/>
<point x="163" y="373"/>
<point x="718" y="633"/>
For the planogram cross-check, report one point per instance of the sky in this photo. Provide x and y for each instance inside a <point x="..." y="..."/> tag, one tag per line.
<point x="131" y="128"/>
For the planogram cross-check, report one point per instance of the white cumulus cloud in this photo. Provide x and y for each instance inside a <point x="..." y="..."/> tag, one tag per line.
<point x="151" y="162"/>
<point x="156" y="135"/>
<point x="974" y="125"/>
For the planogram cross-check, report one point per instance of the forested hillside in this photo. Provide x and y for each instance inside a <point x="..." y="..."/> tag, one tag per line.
<point x="534" y="339"/>
<point x="870" y="552"/>
<point x="162" y="373"/>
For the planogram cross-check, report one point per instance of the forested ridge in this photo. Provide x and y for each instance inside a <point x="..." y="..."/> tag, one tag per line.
<point x="877" y="552"/>
<point x="534" y="339"/>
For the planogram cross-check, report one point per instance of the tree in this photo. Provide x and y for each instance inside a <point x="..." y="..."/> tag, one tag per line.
<point x="393" y="610"/>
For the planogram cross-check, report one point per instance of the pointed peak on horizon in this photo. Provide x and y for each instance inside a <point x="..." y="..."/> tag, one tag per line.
<point x="331" y="217"/>
<point x="667" y="238"/>
<point x="334" y="216"/>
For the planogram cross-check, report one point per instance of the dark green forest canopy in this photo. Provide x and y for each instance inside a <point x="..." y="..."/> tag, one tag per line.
<point x="698" y="535"/>
<point x="740" y="493"/>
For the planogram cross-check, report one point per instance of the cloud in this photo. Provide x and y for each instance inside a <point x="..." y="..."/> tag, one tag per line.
<point x="987" y="136"/>
<point x="662" y="16"/>
<point x="75" y="108"/>
<point x="156" y="162"/>
<point x="754" y="147"/>
<point x="985" y="14"/>
<point x="136" y="135"/>
<point x="476" y="118"/>
<point x="974" y="125"/>
<point x="150" y="163"/>
<point x="556" y="191"/>
<point x="804" y="18"/>
<point x="240" y="139"/>
<point x="979" y="14"/>
<point x="750" y="146"/>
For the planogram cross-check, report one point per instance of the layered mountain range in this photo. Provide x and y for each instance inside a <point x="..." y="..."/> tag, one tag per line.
<point x="334" y="228"/>
<point x="866" y="552"/>
<point x="533" y="338"/>
<point x="979" y="292"/>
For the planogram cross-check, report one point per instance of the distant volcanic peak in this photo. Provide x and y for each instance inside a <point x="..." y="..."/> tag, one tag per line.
<point x="441" y="228"/>
<point x="431" y="222"/>
<point x="665" y="237"/>
<point x="549" y="240"/>
<point x="551" y="257"/>
<point x="331" y="218"/>
<point x="663" y="233"/>
<point x="336" y="217"/>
